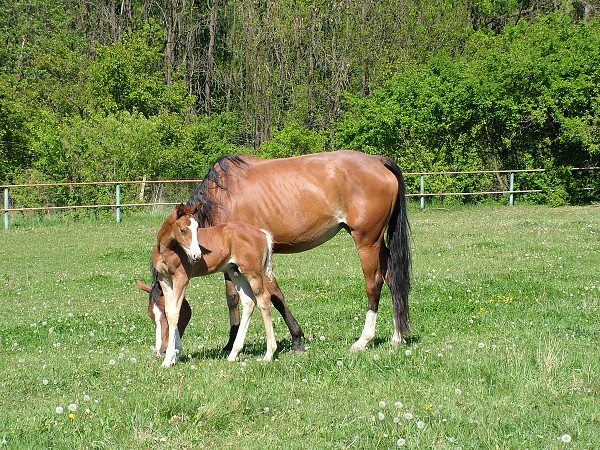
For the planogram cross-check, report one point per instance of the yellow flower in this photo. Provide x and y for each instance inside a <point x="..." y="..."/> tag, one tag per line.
<point x="72" y="416"/>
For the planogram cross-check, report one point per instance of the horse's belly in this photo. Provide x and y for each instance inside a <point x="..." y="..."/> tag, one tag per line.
<point x="292" y="231"/>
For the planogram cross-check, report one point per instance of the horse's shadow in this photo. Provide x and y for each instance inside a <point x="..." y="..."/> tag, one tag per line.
<point x="254" y="351"/>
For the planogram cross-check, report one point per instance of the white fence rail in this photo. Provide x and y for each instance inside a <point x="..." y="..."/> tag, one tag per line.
<point x="116" y="204"/>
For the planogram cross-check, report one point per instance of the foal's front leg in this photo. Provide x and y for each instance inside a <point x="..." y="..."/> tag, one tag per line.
<point x="174" y="293"/>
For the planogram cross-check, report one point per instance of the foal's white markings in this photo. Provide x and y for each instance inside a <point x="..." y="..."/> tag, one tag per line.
<point x="194" y="251"/>
<point x="158" y="328"/>
<point x="368" y="332"/>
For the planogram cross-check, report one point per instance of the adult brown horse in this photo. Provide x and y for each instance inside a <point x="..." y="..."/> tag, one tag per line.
<point x="183" y="250"/>
<point x="302" y="202"/>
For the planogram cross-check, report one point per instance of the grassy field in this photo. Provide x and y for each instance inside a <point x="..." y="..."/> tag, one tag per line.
<point x="503" y="351"/>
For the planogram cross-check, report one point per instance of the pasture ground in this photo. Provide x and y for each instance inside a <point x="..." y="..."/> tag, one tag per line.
<point x="503" y="351"/>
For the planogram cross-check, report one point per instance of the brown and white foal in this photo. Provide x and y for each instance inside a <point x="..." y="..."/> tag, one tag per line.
<point x="156" y="312"/>
<point x="184" y="250"/>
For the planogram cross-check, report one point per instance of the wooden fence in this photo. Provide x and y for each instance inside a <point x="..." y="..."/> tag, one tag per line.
<point x="116" y="202"/>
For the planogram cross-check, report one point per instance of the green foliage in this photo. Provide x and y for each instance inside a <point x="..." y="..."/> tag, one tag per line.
<point x="129" y="76"/>
<point x="90" y="92"/>
<point x="14" y="132"/>
<point x="528" y="98"/>
<point x="293" y="139"/>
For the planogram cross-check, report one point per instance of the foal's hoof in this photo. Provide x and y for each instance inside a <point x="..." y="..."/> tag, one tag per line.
<point x="299" y="348"/>
<point x="170" y="360"/>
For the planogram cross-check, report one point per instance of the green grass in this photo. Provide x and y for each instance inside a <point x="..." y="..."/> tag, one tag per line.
<point x="503" y="351"/>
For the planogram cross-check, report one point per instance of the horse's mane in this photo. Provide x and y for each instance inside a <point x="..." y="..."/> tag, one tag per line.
<point x="217" y="176"/>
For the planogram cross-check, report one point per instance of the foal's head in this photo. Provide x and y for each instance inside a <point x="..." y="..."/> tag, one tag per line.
<point x="156" y="312"/>
<point x="184" y="229"/>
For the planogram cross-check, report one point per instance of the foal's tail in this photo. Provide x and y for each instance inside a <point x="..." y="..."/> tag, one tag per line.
<point x="155" y="291"/>
<point x="268" y="258"/>
<point x="399" y="262"/>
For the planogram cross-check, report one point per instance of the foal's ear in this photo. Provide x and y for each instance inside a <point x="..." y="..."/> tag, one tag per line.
<point x="180" y="210"/>
<point x="143" y="286"/>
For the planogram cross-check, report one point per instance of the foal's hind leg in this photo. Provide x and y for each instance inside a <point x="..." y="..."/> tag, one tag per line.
<point x="371" y="261"/>
<point x="233" y="300"/>
<point x="277" y="299"/>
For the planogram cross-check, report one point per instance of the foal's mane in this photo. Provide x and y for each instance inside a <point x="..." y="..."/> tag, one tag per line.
<point x="216" y="176"/>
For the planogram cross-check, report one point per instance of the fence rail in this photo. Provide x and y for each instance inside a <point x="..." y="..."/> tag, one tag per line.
<point x="117" y="204"/>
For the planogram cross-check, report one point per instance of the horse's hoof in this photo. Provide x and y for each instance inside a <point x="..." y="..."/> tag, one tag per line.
<point x="357" y="348"/>
<point x="298" y="348"/>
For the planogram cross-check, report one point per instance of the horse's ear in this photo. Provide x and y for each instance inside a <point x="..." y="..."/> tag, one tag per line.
<point x="180" y="210"/>
<point x="143" y="286"/>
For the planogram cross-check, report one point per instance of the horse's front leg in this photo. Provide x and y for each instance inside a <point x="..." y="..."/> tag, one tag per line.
<point x="174" y="294"/>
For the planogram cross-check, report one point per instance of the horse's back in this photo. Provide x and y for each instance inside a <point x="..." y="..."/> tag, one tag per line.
<point x="305" y="200"/>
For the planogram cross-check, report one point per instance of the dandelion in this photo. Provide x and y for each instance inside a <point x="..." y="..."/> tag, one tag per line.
<point x="420" y="424"/>
<point x="133" y="360"/>
<point x="72" y="416"/>
<point x="408" y="416"/>
<point x="457" y="391"/>
<point x="322" y="338"/>
<point x="400" y="442"/>
<point x="45" y="382"/>
<point x="72" y="407"/>
<point x="112" y="362"/>
<point x="566" y="438"/>
<point x="59" y="410"/>
<point x="86" y="398"/>
<point x="376" y="357"/>
<point x="340" y="363"/>
<point x="398" y="405"/>
<point x="408" y="352"/>
<point x="481" y="345"/>
<point x="382" y="404"/>
<point x="396" y="420"/>
<point x="380" y="415"/>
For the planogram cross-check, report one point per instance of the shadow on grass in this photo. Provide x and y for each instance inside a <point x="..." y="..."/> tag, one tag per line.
<point x="257" y="350"/>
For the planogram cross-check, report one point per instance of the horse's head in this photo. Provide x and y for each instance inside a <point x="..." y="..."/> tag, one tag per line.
<point x="184" y="230"/>
<point x="156" y="312"/>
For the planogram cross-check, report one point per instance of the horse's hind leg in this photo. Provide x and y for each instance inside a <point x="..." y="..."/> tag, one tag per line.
<point x="277" y="299"/>
<point x="372" y="261"/>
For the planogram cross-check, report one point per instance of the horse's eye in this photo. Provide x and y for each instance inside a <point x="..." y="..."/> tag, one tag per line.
<point x="182" y="230"/>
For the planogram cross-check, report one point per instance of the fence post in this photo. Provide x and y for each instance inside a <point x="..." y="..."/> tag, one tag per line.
<point x="6" y="208"/>
<point x="511" y="188"/>
<point x="422" y="191"/>
<point x="118" y="189"/>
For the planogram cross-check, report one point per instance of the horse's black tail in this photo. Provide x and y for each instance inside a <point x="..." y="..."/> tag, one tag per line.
<point x="399" y="262"/>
